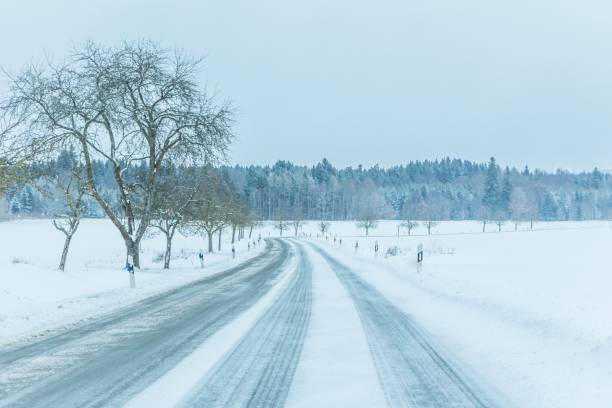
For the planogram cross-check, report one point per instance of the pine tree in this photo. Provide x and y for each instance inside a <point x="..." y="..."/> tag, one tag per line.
<point x="15" y="205"/>
<point x="505" y="195"/>
<point x="67" y="159"/>
<point x="27" y="200"/>
<point x="490" y="198"/>
<point x="596" y="179"/>
<point x="548" y="207"/>
<point x="526" y="171"/>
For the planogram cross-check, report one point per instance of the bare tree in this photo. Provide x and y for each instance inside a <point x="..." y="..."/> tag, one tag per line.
<point x="485" y="216"/>
<point x="367" y="225"/>
<point x="239" y="215"/>
<point x="136" y="104"/>
<point x="324" y="227"/>
<point x="409" y="225"/>
<point x="297" y="224"/>
<point x="367" y="220"/>
<point x="499" y="222"/>
<point x="281" y="224"/>
<point x="208" y="215"/>
<point x="408" y="221"/>
<point x="68" y="220"/>
<point x="253" y="223"/>
<point x="429" y="224"/>
<point x="371" y="208"/>
<point x="172" y="201"/>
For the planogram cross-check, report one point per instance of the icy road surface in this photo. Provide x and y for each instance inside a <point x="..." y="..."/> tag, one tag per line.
<point x="290" y="327"/>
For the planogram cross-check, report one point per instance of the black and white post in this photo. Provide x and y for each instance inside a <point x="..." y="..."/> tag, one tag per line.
<point x="419" y="257"/>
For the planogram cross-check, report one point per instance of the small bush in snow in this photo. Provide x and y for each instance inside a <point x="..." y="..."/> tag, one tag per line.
<point x="19" y="261"/>
<point x="182" y="254"/>
<point x="393" y="251"/>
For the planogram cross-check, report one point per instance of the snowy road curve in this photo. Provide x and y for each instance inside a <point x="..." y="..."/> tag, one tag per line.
<point x="259" y="372"/>
<point x="412" y="373"/>
<point x="107" y="362"/>
<point x="112" y="361"/>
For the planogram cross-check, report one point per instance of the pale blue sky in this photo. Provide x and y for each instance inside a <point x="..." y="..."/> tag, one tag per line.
<point x="365" y="82"/>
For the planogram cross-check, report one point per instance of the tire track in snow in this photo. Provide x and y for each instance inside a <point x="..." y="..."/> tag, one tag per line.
<point x="260" y="370"/>
<point x="105" y="363"/>
<point x="160" y="302"/>
<point x="412" y="373"/>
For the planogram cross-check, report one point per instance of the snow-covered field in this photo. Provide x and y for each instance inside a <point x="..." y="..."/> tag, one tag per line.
<point x="35" y="296"/>
<point x="528" y="311"/>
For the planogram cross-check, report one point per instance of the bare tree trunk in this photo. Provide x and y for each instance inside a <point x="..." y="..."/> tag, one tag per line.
<point x="210" y="241"/>
<point x="132" y="249"/>
<point x="65" y="252"/>
<point x="220" y="233"/>
<point x="168" y="253"/>
<point x="250" y="231"/>
<point x="233" y="233"/>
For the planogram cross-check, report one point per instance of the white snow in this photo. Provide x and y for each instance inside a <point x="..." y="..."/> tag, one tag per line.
<point x="528" y="312"/>
<point x="36" y="297"/>
<point x="335" y="369"/>
<point x="176" y="384"/>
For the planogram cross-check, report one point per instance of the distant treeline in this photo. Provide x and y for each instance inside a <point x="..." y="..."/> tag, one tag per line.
<point x="447" y="189"/>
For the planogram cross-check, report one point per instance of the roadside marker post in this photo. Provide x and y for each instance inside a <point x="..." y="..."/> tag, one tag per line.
<point x="129" y="265"/>
<point x="419" y="257"/>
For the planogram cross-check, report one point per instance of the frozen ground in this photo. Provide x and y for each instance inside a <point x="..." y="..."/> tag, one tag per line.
<point x="36" y="297"/>
<point x="523" y="317"/>
<point x="529" y="310"/>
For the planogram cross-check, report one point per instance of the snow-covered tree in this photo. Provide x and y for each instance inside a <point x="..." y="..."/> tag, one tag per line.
<point x="518" y="206"/>
<point x="134" y="106"/>
<point x="505" y="195"/>
<point x="490" y="197"/>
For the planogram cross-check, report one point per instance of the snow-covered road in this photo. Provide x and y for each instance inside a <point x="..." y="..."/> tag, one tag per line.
<point x="291" y="327"/>
<point x="411" y="371"/>
<point x="105" y="363"/>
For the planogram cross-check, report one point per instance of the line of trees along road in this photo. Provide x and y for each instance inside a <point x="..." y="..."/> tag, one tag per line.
<point x="123" y="117"/>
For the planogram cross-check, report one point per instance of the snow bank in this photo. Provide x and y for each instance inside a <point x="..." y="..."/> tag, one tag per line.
<point x="36" y="297"/>
<point x="528" y="311"/>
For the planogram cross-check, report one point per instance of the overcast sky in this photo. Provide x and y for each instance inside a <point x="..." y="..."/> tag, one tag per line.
<point x="366" y="82"/>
